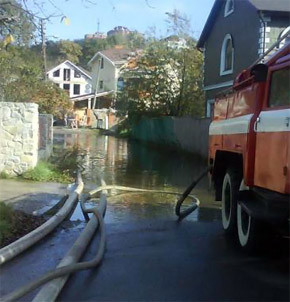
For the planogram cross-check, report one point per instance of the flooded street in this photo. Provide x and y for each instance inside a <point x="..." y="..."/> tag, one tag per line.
<point x="150" y="256"/>
<point x="130" y="163"/>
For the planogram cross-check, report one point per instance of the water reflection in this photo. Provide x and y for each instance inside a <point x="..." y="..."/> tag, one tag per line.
<point x="129" y="163"/>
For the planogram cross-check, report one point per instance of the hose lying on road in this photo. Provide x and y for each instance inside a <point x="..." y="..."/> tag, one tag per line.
<point x="65" y="269"/>
<point x="182" y="214"/>
<point x="184" y="195"/>
<point x="15" y="248"/>
<point x="51" y="290"/>
<point x="68" y="269"/>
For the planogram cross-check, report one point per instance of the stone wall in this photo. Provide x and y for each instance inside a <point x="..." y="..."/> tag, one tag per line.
<point x="18" y="137"/>
<point x="45" y="142"/>
<point x="184" y="133"/>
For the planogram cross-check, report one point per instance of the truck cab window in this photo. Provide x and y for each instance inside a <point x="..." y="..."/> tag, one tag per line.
<point x="280" y="88"/>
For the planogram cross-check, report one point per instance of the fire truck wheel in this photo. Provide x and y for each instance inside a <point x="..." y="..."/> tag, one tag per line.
<point x="247" y="229"/>
<point x="230" y="190"/>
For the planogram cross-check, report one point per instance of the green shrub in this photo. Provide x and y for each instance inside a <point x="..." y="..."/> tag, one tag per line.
<point x="66" y="162"/>
<point x="45" y="171"/>
<point x="5" y="175"/>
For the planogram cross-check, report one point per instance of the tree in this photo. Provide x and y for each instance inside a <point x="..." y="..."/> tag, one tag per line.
<point x="89" y="48"/>
<point x="168" y="79"/>
<point x="16" y="21"/>
<point x="21" y="81"/>
<point x="178" y="24"/>
<point x="69" y="50"/>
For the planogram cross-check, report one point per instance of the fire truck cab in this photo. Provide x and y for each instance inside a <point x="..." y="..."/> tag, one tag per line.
<point x="249" y="149"/>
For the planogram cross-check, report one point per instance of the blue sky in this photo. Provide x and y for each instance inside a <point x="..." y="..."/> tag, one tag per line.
<point x="134" y="14"/>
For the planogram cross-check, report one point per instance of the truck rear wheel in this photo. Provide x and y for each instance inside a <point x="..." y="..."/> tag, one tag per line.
<point x="248" y="229"/>
<point x="230" y="191"/>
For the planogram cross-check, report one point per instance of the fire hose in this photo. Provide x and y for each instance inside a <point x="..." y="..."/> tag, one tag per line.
<point x="97" y="214"/>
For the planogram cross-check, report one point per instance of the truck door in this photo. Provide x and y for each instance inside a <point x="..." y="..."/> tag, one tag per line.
<point x="272" y="128"/>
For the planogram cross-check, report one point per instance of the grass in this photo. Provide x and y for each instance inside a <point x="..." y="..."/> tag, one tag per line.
<point x="4" y="175"/>
<point x="124" y="133"/>
<point x="60" y="168"/>
<point x="45" y="171"/>
<point x="7" y="221"/>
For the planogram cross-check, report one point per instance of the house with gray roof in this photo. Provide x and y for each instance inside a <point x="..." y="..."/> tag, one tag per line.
<point x="236" y="34"/>
<point x="106" y="66"/>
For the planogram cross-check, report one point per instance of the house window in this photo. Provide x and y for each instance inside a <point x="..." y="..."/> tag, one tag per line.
<point x="229" y="7"/>
<point x="77" y="88"/>
<point x="77" y="74"/>
<point x="101" y="85"/>
<point x="102" y="63"/>
<point x="56" y="73"/>
<point x="66" y="87"/>
<point x="227" y="56"/>
<point x="66" y="74"/>
<point x="280" y="88"/>
<point x="88" y="88"/>
<point x="120" y="84"/>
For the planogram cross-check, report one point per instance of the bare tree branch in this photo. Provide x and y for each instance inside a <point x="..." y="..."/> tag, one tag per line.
<point x="149" y="5"/>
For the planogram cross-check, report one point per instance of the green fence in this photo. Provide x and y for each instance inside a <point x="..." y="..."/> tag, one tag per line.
<point x="184" y="133"/>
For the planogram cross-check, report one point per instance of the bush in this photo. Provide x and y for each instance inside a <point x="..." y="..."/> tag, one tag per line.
<point x="45" y="171"/>
<point x="4" y="175"/>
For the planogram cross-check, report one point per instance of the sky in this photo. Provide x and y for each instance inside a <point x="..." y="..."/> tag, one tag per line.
<point x="140" y="15"/>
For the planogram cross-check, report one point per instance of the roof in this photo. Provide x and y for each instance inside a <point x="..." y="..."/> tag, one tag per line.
<point x="272" y="5"/>
<point x="90" y="95"/>
<point x="85" y="71"/>
<point x="80" y="69"/>
<point x="115" y="54"/>
<point x="260" y="5"/>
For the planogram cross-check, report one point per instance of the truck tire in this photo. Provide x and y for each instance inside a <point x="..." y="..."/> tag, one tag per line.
<point x="230" y="189"/>
<point x="249" y="234"/>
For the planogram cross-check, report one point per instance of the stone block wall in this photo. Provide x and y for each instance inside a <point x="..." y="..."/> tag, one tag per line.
<point x="18" y="137"/>
<point x="45" y="142"/>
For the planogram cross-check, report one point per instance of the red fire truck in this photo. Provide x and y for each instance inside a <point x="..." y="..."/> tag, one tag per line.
<point x="249" y="149"/>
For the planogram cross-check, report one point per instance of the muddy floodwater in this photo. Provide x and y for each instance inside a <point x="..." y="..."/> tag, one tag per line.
<point x="129" y="163"/>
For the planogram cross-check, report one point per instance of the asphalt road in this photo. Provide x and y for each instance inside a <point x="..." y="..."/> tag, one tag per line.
<point x="159" y="260"/>
<point x="163" y="260"/>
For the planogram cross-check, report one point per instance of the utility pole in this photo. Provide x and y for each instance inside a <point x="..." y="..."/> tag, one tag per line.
<point x="98" y="25"/>
<point x="43" y="45"/>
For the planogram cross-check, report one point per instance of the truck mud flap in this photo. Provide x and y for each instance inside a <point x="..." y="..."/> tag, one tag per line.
<point x="272" y="211"/>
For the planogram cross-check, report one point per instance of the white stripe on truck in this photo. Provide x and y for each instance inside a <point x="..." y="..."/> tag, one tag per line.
<point x="269" y="121"/>
<point x="274" y="121"/>
<point x="235" y="125"/>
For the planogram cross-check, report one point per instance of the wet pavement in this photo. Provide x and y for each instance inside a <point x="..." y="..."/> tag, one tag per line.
<point x="31" y="197"/>
<point x="149" y="255"/>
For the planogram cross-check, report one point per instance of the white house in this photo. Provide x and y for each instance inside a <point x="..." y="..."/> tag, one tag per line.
<point x="72" y="78"/>
<point x="106" y="68"/>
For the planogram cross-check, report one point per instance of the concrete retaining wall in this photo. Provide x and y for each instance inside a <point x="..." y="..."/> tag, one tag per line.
<point x="185" y="133"/>
<point x="45" y="142"/>
<point x="18" y="137"/>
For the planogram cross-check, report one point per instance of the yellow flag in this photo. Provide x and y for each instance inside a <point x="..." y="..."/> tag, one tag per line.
<point x="8" y="40"/>
<point x="66" y="21"/>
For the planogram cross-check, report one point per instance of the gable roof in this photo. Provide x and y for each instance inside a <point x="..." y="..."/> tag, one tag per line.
<point x="260" y="5"/>
<point x="115" y="55"/>
<point x="272" y="5"/>
<point x="80" y="69"/>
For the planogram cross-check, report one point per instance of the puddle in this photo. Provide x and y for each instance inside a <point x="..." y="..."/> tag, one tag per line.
<point x="128" y="163"/>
